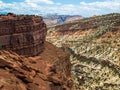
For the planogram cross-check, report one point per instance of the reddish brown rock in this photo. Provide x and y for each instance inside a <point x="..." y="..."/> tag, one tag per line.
<point x="23" y="34"/>
<point x="48" y="71"/>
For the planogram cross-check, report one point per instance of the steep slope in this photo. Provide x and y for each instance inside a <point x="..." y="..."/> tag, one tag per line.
<point x="42" y="72"/>
<point x="94" y="44"/>
<point x="27" y="61"/>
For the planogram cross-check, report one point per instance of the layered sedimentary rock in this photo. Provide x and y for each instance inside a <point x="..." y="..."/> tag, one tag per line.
<point x="23" y="34"/>
<point x="47" y="71"/>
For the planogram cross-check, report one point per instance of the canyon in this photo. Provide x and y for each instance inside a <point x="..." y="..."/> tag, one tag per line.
<point x="94" y="47"/>
<point x="27" y="61"/>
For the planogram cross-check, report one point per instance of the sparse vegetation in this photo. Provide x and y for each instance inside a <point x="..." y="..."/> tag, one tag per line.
<point x="94" y="49"/>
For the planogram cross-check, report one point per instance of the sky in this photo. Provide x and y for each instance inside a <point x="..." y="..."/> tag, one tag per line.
<point x="86" y="8"/>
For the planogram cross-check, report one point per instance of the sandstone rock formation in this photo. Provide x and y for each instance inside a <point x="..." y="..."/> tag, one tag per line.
<point x="23" y="34"/>
<point x="49" y="69"/>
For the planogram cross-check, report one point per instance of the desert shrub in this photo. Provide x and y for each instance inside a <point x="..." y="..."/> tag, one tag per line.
<point x="101" y="30"/>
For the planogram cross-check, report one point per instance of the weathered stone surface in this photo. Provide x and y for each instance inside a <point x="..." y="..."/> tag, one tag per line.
<point x="23" y="34"/>
<point x="48" y="71"/>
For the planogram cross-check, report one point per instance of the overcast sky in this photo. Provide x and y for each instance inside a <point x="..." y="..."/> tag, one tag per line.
<point x="85" y="8"/>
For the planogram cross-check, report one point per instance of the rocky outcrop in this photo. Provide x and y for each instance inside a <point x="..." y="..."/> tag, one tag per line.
<point x="22" y="34"/>
<point x="48" y="71"/>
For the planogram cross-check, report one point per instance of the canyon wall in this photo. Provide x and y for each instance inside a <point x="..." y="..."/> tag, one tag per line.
<point x="22" y="34"/>
<point x="49" y="69"/>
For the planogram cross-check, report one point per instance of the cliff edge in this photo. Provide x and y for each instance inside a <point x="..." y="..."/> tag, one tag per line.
<point x="49" y="69"/>
<point x="23" y="34"/>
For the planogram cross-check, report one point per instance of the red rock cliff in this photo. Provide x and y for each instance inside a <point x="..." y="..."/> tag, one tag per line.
<point x="49" y="69"/>
<point x="23" y="34"/>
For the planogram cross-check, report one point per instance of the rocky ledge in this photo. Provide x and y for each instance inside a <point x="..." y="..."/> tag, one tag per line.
<point x="48" y="71"/>
<point x="21" y="38"/>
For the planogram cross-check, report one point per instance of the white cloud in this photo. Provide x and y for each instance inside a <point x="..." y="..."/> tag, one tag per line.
<point x="111" y="4"/>
<point x="48" y="6"/>
<point x="107" y="6"/>
<point x="40" y="1"/>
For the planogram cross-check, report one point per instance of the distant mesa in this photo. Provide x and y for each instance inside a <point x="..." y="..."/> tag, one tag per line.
<point x="54" y="19"/>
